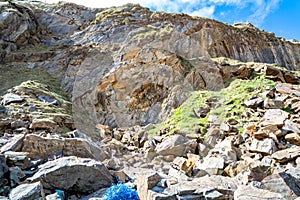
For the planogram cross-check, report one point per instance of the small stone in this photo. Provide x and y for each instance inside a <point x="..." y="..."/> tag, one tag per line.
<point x="11" y="98"/>
<point x="293" y="138"/>
<point x="17" y="124"/>
<point x="291" y="127"/>
<point x="47" y="99"/>
<point x="254" y="193"/>
<point x="43" y="124"/>
<point x="201" y="112"/>
<point x="273" y="104"/>
<point x="287" y="154"/>
<point x="254" y="102"/>
<point x="266" y="146"/>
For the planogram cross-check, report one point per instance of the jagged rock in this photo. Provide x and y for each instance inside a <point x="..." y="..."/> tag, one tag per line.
<point x="282" y="183"/>
<point x="145" y="182"/>
<point x="15" y="175"/>
<point x="26" y="191"/>
<point x="225" y="149"/>
<point x="202" y="112"/>
<point x="274" y="117"/>
<point x="253" y="193"/>
<point x="287" y="154"/>
<point x="272" y="104"/>
<point x="47" y="99"/>
<point x="266" y="146"/>
<point x="3" y="166"/>
<point x="18" y="159"/>
<point x="254" y="102"/>
<point x="15" y="144"/>
<point x="87" y="175"/>
<point x="173" y="145"/>
<point x="11" y="98"/>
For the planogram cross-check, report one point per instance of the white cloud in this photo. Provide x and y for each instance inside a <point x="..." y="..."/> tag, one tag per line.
<point x="204" y="8"/>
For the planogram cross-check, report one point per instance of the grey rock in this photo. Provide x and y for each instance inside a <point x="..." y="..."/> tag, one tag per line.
<point x="2" y="109"/>
<point x="17" y="124"/>
<point x="3" y="166"/>
<point x="291" y="127"/>
<point x="274" y="117"/>
<point x="11" y="98"/>
<point x="254" y="102"/>
<point x="87" y="175"/>
<point x="214" y="195"/>
<point x="26" y="192"/>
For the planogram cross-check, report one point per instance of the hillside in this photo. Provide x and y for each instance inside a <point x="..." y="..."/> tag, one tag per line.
<point x="177" y="107"/>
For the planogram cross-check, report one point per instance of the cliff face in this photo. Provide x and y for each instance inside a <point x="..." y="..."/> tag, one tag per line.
<point x="128" y="65"/>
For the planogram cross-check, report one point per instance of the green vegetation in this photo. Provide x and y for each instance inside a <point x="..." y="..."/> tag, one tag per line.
<point x="225" y="104"/>
<point x="12" y="75"/>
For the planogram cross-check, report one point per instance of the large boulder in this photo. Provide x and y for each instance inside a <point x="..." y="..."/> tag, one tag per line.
<point x="73" y="174"/>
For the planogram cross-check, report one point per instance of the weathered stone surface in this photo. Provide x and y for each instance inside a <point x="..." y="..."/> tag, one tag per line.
<point x="3" y="166"/>
<point x="282" y="183"/>
<point x="266" y="146"/>
<point x="145" y="182"/>
<point x="11" y="98"/>
<point x="291" y="127"/>
<point x="287" y="154"/>
<point x="26" y="191"/>
<point x="87" y="175"/>
<point x="253" y="193"/>
<point x="173" y="145"/>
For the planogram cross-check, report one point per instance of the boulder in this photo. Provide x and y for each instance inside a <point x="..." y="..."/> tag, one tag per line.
<point x="213" y="165"/>
<point x="15" y="176"/>
<point x="26" y="191"/>
<point x="87" y="175"/>
<point x="172" y="145"/>
<point x="293" y="138"/>
<point x="18" y="159"/>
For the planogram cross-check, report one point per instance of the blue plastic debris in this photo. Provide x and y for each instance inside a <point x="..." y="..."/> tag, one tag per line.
<point x="121" y="192"/>
<point x="60" y="194"/>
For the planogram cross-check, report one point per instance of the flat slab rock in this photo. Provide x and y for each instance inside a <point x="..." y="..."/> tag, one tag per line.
<point x="26" y="191"/>
<point x="253" y="193"/>
<point x="73" y="174"/>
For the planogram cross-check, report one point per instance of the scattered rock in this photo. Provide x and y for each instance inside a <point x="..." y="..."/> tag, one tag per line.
<point x="274" y="117"/>
<point x="47" y="99"/>
<point x="287" y="154"/>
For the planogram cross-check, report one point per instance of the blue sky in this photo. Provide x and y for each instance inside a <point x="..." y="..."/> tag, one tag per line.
<point x="278" y="16"/>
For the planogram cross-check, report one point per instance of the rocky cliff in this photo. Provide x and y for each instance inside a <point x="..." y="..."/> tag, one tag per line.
<point x="97" y="52"/>
<point x="178" y="107"/>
